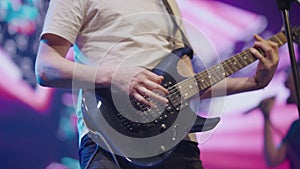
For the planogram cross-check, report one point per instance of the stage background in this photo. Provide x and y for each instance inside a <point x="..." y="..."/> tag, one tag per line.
<point x="38" y="125"/>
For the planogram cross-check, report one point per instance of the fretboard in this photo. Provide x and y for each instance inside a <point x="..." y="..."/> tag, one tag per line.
<point x="207" y="78"/>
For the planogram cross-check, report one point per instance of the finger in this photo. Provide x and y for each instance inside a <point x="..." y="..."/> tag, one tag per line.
<point x="141" y="99"/>
<point x="266" y="45"/>
<point x="257" y="54"/>
<point x="153" y="95"/>
<point x="258" y="38"/>
<point x="153" y="77"/>
<point x="273" y="44"/>
<point x="157" y="93"/>
<point x="155" y="87"/>
<point x="270" y="51"/>
<point x="144" y="101"/>
<point x="156" y="97"/>
<point x="154" y="82"/>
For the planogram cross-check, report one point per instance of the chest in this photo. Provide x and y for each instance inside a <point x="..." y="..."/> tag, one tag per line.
<point x="146" y="15"/>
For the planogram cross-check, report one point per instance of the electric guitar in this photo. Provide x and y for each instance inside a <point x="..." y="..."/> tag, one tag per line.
<point x="145" y="136"/>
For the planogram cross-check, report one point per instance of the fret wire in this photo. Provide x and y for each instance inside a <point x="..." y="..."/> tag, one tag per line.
<point x="238" y="63"/>
<point x="230" y="61"/>
<point x="193" y="83"/>
<point x="229" y="65"/>
<point x="243" y="60"/>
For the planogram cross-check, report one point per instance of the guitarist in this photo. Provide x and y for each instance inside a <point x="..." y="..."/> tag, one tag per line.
<point x="119" y="41"/>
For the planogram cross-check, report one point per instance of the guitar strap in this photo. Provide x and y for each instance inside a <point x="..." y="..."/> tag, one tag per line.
<point x="176" y="25"/>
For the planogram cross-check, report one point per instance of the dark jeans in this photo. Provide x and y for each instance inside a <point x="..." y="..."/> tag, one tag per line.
<point x="186" y="155"/>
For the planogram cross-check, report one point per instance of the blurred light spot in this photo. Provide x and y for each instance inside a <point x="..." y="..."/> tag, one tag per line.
<point x="22" y="42"/>
<point x="10" y="47"/>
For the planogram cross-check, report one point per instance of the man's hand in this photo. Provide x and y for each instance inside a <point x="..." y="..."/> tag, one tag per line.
<point x="141" y="84"/>
<point x="268" y="60"/>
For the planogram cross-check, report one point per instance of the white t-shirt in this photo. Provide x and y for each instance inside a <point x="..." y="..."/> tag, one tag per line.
<point x="114" y="31"/>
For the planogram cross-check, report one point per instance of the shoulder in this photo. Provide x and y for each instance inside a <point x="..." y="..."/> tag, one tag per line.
<point x="64" y="18"/>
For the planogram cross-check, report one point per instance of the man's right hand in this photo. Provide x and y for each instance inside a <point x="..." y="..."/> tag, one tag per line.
<point x="141" y="84"/>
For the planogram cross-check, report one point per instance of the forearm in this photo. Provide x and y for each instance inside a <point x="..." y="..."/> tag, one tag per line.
<point x="53" y="70"/>
<point x="230" y="86"/>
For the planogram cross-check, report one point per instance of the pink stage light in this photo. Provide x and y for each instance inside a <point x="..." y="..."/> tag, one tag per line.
<point x="219" y="22"/>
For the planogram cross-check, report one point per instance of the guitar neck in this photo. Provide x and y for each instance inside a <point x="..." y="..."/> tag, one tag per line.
<point x="215" y="74"/>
